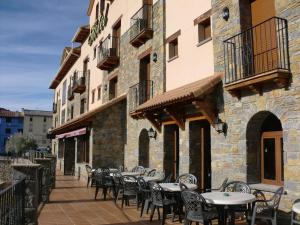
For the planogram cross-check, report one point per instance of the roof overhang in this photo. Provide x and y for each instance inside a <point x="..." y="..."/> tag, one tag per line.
<point x="86" y="118"/>
<point x="67" y="64"/>
<point x="81" y="34"/>
<point x="173" y="104"/>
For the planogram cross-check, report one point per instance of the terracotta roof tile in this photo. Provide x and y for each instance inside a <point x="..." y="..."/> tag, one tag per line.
<point x="183" y="93"/>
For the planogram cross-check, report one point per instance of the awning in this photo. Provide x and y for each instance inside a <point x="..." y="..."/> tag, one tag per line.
<point x="184" y="93"/>
<point x="74" y="133"/>
<point x="171" y="103"/>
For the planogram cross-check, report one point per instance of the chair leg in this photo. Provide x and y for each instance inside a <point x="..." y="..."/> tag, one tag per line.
<point x="186" y="222"/>
<point x="88" y="182"/>
<point x="158" y="212"/>
<point x="142" y="207"/>
<point x="96" y="192"/>
<point x="163" y="216"/>
<point x="123" y="199"/>
<point x="152" y="212"/>
<point x="104" y="193"/>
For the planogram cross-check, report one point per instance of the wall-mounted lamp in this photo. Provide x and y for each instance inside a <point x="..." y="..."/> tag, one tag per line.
<point x="154" y="57"/>
<point x="152" y="133"/>
<point x="105" y="87"/>
<point x="225" y="13"/>
<point x="220" y="126"/>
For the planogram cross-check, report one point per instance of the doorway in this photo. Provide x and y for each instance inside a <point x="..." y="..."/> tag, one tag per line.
<point x="69" y="157"/>
<point x="200" y="152"/>
<point x="145" y="83"/>
<point x="144" y="149"/>
<point x="116" y="34"/>
<point x="171" y="150"/>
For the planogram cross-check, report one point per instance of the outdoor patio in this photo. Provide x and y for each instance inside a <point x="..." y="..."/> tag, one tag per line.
<point x="71" y="203"/>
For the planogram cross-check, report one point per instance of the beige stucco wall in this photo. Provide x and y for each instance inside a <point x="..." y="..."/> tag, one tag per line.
<point x="194" y="62"/>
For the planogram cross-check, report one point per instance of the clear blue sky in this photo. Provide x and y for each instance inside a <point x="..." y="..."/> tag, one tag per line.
<point x="33" y="34"/>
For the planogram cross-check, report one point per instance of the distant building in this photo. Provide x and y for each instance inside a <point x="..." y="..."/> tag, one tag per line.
<point x="36" y="125"/>
<point x="10" y="123"/>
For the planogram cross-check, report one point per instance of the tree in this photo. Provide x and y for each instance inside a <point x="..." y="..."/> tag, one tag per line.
<point x="18" y="143"/>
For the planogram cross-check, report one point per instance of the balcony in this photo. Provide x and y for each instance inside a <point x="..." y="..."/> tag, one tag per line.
<point x="79" y="84"/>
<point x="140" y="93"/>
<point x="108" y="53"/>
<point x="54" y="107"/>
<point x="141" y="26"/>
<point x="257" y="56"/>
<point x="70" y="93"/>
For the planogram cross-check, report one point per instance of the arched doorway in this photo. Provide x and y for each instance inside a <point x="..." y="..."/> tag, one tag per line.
<point x="264" y="149"/>
<point x="144" y="148"/>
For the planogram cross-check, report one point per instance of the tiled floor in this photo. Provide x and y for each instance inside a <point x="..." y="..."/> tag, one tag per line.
<point x="71" y="203"/>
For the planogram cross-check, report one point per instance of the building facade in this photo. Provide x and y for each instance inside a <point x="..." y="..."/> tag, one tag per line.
<point x="216" y="84"/>
<point x="36" y="125"/>
<point x="10" y="123"/>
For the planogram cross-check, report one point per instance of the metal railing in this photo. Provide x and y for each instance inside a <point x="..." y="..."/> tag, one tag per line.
<point x="80" y="79"/>
<point x="257" y="50"/>
<point x="140" y="93"/>
<point x="141" y="20"/>
<point x="70" y="92"/>
<point x="12" y="204"/>
<point x="109" y="48"/>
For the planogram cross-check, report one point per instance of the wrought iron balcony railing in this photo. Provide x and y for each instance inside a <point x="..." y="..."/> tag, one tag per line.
<point x="140" y="93"/>
<point x="79" y="82"/>
<point x="258" y="50"/>
<point x="108" y="53"/>
<point x="141" y="25"/>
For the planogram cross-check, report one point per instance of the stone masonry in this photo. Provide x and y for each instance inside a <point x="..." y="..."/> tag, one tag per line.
<point x="230" y="153"/>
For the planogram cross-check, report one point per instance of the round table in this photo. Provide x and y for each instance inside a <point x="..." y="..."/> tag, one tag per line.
<point x="174" y="187"/>
<point x="131" y="174"/>
<point x="296" y="208"/>
<point x="222" y="199"/>
<point x="151" y="179"/>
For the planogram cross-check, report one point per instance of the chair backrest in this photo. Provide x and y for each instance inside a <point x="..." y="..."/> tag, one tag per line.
<point x="192" y="201"/>
<point x="223" y="184"/>
<point x="118" y="180"/>
<point x="102" y="178"/>
<point x="275" y="200"/>
<point x="187" y="178"/>
<point x="134" y="169"/>
<point x="88" y="169"/>
<point x="237" y="186"/>
<point x="140" y="170"/>
<point x="157" y="193"/>
<point x="105" y="169"/>
<point x="151" y="173"/>
<point x="121" y="168"/>
<point x="129" y="183"/>
<point x="168" y="178"/>
<point x="142" y="184"/>
<point x="160" y="174"/>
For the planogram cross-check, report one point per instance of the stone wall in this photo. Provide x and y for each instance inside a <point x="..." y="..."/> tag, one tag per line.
<point x="5" y="170"/>
<point x="229" y="153"/>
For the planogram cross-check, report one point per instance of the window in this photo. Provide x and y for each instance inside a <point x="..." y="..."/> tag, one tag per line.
<point x="82" y="104"/>
<point x="95" y="51"/>
<point x="45" y="119"/>
<point x="72" y="112"/>
<point x="93" y="95"/>
<point x="64" y="94"/>
<point x="102" y="6"/>
<point x="113" y="88"/>
<point x="30" y="119"/>
<point x="63" y="116"/>
<point x="97" y="11"/>
<point x="204" y="30"/>
<point x="8" y="120"/>
<point x="99" y="92"/>
<point x="173" y="48"/>
<point x="82" y="149"/>
<point x="8" y="131"/>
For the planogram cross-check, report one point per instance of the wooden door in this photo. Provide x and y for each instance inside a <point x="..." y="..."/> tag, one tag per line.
<point x="272" y="158"/>
<point x="264" y="35"/>
<point x="116" y="37"/>
<point x="144" y="87"/>
<point x="200" y="152"/>
<point x="171" y="150"/>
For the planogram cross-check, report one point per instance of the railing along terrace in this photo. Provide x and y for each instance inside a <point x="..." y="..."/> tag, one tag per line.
<point x="79" y="81"/>
<point x="140" y="93"/>
<point x="12" y="204"/>
<point x="109" y="48"/>
<point x="257" y="50"/>
<point x="141" y="20"/>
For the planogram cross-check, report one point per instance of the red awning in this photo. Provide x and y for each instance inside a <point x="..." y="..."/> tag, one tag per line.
<point x="73" y="133"/>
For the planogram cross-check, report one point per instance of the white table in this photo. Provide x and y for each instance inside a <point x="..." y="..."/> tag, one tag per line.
<point x="131" y="174"/>
<point x="296" y="208"/>
<point x="174" y="187"/>
<point x="153" y="179"/>
<point x="222" y="199"/>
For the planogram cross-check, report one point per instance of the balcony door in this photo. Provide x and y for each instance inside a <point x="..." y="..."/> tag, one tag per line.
<point x="264" y="36"/>
<point x="116" y="38"/>
<point x="144" y="84"/>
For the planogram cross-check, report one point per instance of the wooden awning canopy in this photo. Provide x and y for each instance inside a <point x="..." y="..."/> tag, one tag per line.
<point x="85" y="119"/>
<point x="81" y="34"/>
<point x="67" y="64"/>
<point x="176" y="103"/>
